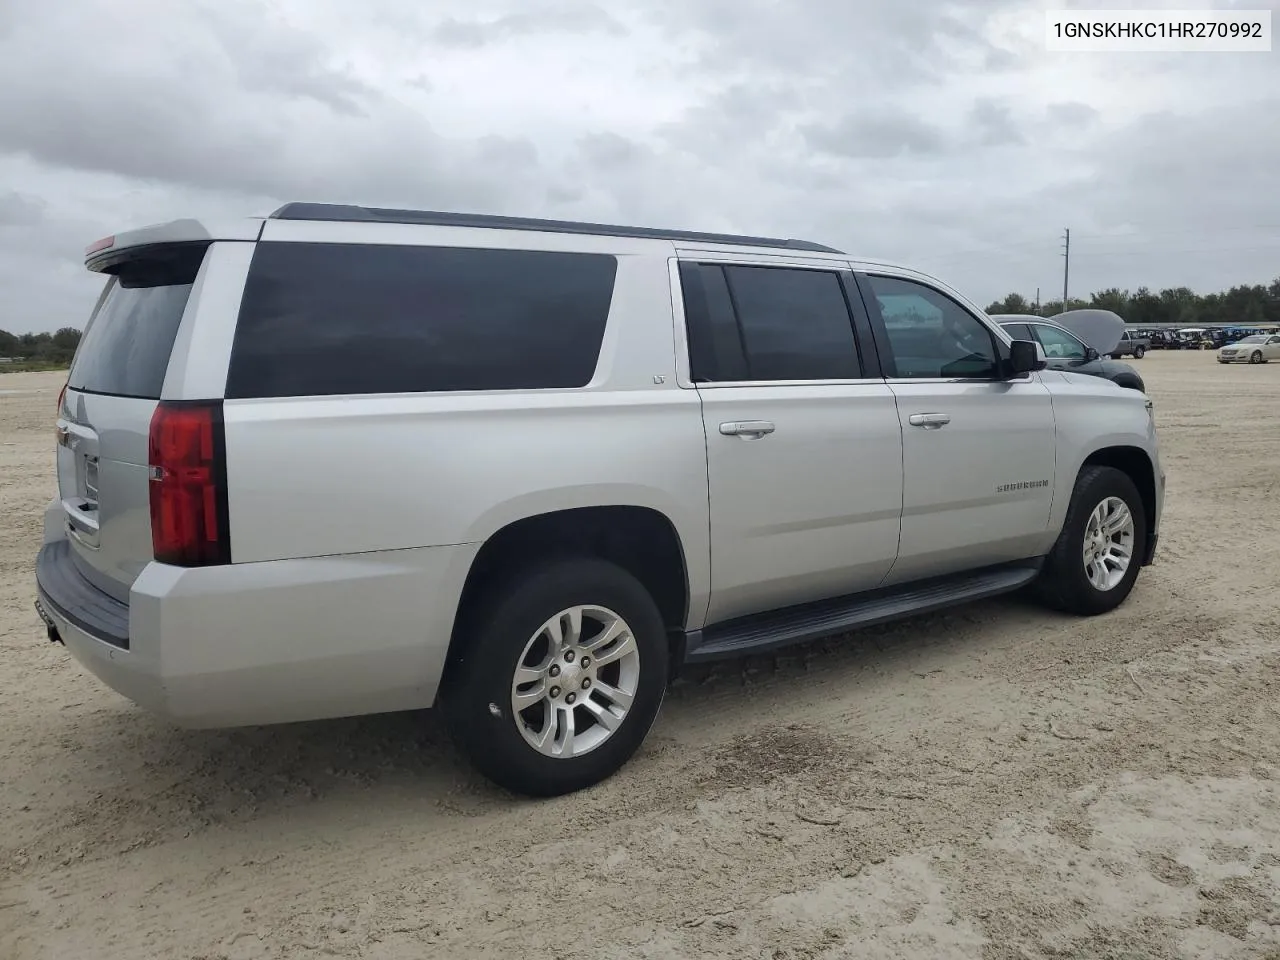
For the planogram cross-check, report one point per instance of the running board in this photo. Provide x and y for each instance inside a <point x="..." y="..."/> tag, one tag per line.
<point x="779" y="628"/>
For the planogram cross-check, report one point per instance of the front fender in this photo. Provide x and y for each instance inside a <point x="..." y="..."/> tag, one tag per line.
<point x="1097" y="416"/>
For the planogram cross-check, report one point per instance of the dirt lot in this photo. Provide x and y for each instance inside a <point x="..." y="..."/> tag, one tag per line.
<point x="996" y="782"/>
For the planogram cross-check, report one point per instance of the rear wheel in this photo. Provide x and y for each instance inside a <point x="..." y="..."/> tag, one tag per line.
<point x="1094" y="564"/>
<point x="1139" y="352"/>
<point x="560" y="679"/>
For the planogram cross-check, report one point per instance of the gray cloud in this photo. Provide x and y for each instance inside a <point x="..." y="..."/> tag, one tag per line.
<point x="561" y="17"/>
<point x="876" y="135"/>
<point x="935" y="132"/>
<point x="20" y="209"/>
<point x="1072" y="113"/>
<point x="993" y="124"/>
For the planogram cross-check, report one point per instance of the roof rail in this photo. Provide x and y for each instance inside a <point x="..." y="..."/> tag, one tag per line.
<point x="344" y="212"/>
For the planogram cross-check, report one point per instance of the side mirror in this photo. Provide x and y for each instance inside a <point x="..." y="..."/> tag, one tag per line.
<point x="1091" y="354"/>
<point x="1026" y="356"/>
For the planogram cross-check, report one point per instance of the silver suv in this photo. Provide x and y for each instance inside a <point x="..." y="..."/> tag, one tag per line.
<point x="343" y="460"/>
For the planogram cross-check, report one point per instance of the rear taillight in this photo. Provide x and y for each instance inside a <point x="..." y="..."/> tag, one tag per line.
<point x="58" y="431"/>
<point x="188" y="484"/>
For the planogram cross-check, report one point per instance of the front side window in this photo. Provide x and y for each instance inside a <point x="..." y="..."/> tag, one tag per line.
<point x="1060" y="345"/>
<point x="932" y="336"/>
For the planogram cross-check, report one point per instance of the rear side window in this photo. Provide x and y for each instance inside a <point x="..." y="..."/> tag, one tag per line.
<point x="321" y="319"/>
<point x="767" y="324"/>
<point x="127" y="342"/>
<point x="795" y="324"/>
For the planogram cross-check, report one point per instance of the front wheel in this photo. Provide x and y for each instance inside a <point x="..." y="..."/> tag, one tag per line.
<point x="1094" y="564"/>
<point x="561" y="678"/>
<point x="1139" y="353"/>
<point x="1255" y="357"/>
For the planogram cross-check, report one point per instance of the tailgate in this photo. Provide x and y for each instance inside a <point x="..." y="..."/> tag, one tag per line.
<point x="104" y="419"/>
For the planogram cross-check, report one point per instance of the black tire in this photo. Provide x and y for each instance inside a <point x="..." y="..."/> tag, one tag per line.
<point x="1255" y="357"/>
<point x="476" y="695"/>
<point x="1063" y="583"/>
<point x="1139" y="353"/>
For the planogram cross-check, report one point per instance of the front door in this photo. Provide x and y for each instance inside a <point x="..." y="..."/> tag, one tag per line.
<point x="978" y="451"/>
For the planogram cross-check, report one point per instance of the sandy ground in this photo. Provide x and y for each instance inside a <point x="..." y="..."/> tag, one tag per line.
<point x="997" y="782"/>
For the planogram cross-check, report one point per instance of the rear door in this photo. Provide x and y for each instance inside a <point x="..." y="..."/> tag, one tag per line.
<point x="104" y="420"/>
<point x="804" y="450"/>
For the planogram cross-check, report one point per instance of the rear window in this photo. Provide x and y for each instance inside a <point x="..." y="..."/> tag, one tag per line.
<point x="127" y="342"/>
<point x="321" y="319"/>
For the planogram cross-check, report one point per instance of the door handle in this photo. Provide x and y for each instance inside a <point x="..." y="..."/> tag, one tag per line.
<point x="930" y="421"/>
<point x="750" y="429"/>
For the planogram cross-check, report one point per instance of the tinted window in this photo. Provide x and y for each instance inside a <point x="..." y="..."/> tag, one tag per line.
<point x="930" y="334"/>
<point x="715" y="343"/>
<point x="1018" y="331"/>
<point x="322" y="319"/>
<point x="1058" y="344"/>
<point x="795" y="324"/>
<point x="126" y="344"/>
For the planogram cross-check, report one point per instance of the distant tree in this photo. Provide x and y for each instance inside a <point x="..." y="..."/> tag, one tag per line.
<point x="1013" y="303"/>
<point x="1144" y="308"/>
<point x="54" y="348"/>
<point x="1054" y="307"/>
<point x="1117" y="301"/>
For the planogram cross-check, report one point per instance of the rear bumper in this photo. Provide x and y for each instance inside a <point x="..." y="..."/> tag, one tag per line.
<point x="274" y="642"/>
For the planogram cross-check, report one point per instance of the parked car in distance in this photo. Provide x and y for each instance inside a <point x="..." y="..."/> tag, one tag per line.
<point x="344" y="460"/>
<point x="1132" y="344"/>
<point x="1259" y="348"/>
<point x="1067" y="352"/>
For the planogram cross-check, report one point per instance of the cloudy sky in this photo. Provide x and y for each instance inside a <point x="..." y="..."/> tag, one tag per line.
<point x="938" y="134"/>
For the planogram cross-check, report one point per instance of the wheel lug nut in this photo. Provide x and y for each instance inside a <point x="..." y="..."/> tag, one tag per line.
<point x="568" y="656"/>
<point x="586" y="662"/>
<point x="570" y="698"/>
<point x="555" y="670"/>
<point x="555" y="692"/>
<point x="586" y="684"/>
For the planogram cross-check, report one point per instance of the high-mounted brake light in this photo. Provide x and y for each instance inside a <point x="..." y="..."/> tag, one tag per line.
<point x="188" y="485"/>
<point x="97" y="245"/>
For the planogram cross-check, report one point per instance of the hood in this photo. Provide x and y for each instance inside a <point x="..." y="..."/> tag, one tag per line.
<point x="1100" y="329"/>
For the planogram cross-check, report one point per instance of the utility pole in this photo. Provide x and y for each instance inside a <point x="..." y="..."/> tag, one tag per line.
<point x="1066" y="265"/>
<point x="1037" y="301"/>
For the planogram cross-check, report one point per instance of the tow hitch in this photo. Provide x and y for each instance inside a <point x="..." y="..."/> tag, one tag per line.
<point x="50" y="627"/>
